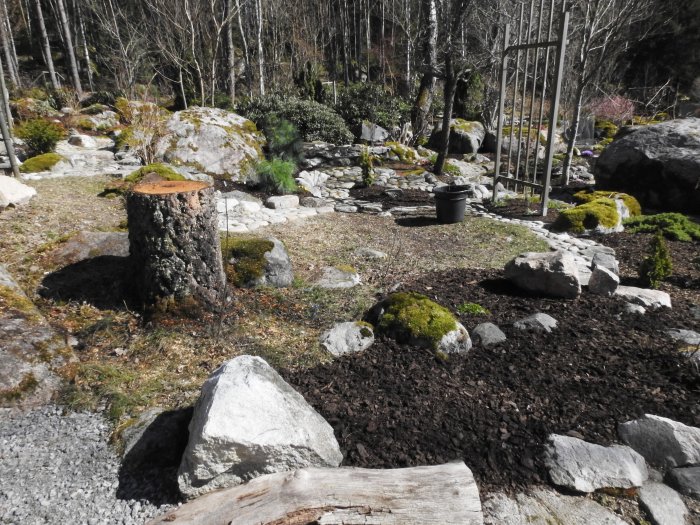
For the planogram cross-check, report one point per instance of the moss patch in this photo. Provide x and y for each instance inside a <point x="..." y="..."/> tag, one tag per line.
<point x="410" y="315"/>
<point x="404" y="153"/>
<point x="599" y="212"/>
<point x="465" y="126"/>
<point x="632" y="204"/>
<point x="17" y="302"/>
<point x="472" y="309"/>
<point x="26" y="385"/>
<point x="249" y="257"/>
<point x="606" y="129"/>
<point x="151" y="172"/>
<point x="42" y="162"/>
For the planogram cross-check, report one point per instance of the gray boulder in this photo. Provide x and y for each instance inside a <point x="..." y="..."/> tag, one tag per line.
<point x="85" y="245"/>
<point x="662" y="441"/>
<point x="282" y="202"/>
<point x="488" y="334"/>
<point x="83" y="141"/>
<point x="13" y="192"/>
<point x="658" y="164"/>
<point x="586" y="467"/>
<point x="373" y="133"/>
<point x="685" y="480"/>
<point x="338" y="277"/>
<point x="603" y="281"/>
<point x="663" y="504"/>
<point x="538" y="322"/>
<point x="554" y="274"/>
<point x="651" y="299"/>
<point x="213" y="141"/>
<point x="605" y="260"/>
<point x="346" y="338"/>
<point x="247" y="422"/>
<point x="465" y="136"/>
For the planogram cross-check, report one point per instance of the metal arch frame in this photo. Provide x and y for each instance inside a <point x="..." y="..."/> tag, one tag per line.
<point x="518" y="48"/>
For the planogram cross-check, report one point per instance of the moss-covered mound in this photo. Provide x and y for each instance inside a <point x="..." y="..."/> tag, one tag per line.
<point x="248" y="256"/>
<point x="674" y="226"/>
<point x="161" y="171"/>
<point x="42" y="162"/>
<point x="632" y="204"/>
<point x="601" y="212"/>
<point x="412" y="317"/>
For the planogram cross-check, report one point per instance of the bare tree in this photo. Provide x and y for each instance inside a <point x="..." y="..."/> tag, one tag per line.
<point x="426" y="91"/>
<point x="46" y="45"/>
<point x="5" y="129"/>
<point x="8" y="46"/>
<point x="70" y="50"/>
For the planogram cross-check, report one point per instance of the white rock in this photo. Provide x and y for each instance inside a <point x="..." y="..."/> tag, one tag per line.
<point x="369" y="253"/>
<point x="338" y="278"/>
<point x="663" y="504"/>
<point x="538" y="322"/>
<point x="455" y="342"/>
<point x="647" y="298"/>
<point x="13" y="192"/>
<point x="662" y="441"/>
<point x="603" y="281"/>
<point x="83" y="141"/>
<point x="634" y="309"/>
<point x="586" y="467"/>
<point x="345" y="338"/>
<point x="554" y="274"/>
<point x="247" y="422"/>
<point x="687" y="337"/>
<point x="282" y="202"/>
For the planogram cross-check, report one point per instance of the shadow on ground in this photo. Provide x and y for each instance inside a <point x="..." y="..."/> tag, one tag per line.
<point x="99" y="281"/>
<point x="417" y="222"/>
<point x="153" y="453"/>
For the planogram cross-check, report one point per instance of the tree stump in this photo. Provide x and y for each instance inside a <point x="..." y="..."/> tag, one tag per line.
<point x="174" y="244"/>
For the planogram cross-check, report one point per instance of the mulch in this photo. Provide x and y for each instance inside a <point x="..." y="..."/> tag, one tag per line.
<point x="395" y="406"/>
<point x="393" y="198"/>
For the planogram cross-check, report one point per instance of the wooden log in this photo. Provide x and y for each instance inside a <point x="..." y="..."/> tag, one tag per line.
<point x="174" y="244"/>
<point x="442" y="494"/>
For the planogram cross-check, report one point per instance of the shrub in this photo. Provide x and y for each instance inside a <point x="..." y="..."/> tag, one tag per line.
<point x="615" y="109"/>
<point x="674" y="226"/>
<point x="469" y="98"/>
<point x="632" y="204"/>
<point x="599" y="212"/>
<point x="283" y="139"/>
<point x="657" y="266"/>
<point x="367" y="165"/>
<point x="314" y="121"/>
<point x="371" y="102"/>
<point x="277" y="176"/>
<point x="42" y="162"/>
<point x="41" y="135"/>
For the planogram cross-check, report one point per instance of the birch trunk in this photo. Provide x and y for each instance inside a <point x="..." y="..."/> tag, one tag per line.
<point x="230" y="50"/>
<point x="7" y="48"/>
<point x="575" y="122"/>
<point x="69" y="47"/>
<point x="261" y="57"/>
<point x="86" y="51"/>
<point x="5" y="120"/>
<point x="426" y="91"/>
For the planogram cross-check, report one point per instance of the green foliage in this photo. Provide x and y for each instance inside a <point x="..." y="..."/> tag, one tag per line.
<point x="410" y="315"/>
<point x="632" y="204"/>
<point x="367" y="165"/>
<point x="308" y="81"/>
<point x="42" y="162"/>
<point x="244" y="259"/>
<point x="105" y="98"/>
<point x="283" y="139"/>
<point x="469" y="97"/>
<point x="163" y="171"/>
<point x="373" y="103"/>
<point x="472" y="309"/>
<point x="41" y="135"/>
<point x="94" y="109"/>
<point x="313" y="121"/>
<point x="277" y="176"/>
<point x="674" y="226"/>
<point x="62" y="97"/>
<point x="598" y="212"/>
<point x="657" y="265"/>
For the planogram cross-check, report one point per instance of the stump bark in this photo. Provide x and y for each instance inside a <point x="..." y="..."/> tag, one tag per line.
<point x="174" y="244"/>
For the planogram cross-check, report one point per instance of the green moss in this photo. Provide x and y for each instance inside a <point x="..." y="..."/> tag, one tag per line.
<point x="163" y="171"/>
<point x="11" y="299"/>
<point x="632" y="204"/>
<point x="674" y="226"/>
<point x="606" y="129"/>
<point x="346" y="268"/>
<point x="25" y="386"/>
<point x="466" y="126"/>
<point x="410" y="315"/>
<point x="366" y="329"/>
<point x="599" y="212"/>
<point x="42" y="162"/>
<point x="404" y="153"/>
<point x="472" y="309"/>
<point x="517" y="131"/>
<point x="249" y="259"/>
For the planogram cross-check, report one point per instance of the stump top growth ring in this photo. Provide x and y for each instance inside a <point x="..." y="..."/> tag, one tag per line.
<point x="168" y="187"/>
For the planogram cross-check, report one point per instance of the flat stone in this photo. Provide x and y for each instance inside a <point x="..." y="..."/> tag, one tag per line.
<point x="554" y="274"/>
<point x="85" y="245"/>
<point x="603" y="281"/>
<point x="345" y="338"/>
<point x="370" y="253"/>
<point x="338" y="278"/>
<point x="685" y="480"/>
<point x="663" y="504"/>
<point x="538" y="322"/>
<point x="586" y="467"/>
<point x="13" y="192"/>
<point x="662" y="441"/>
<point x="545" y="507"/>
<point x="248" y="422"/>
<point x="282" y="202"/>
<point x="652" y="299"/>
<point x="488" y="334"/>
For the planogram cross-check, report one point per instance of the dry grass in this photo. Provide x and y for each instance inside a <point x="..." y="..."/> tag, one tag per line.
<point x="126" y="365"/>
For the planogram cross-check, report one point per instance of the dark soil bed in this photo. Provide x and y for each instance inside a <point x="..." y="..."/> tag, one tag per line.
<point x="395" y="406"/>
<point x="393" y="198"/>
<point x="521" y="209"/>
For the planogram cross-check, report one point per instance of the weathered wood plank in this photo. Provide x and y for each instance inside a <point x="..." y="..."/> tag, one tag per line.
<point x="442" y="494"/>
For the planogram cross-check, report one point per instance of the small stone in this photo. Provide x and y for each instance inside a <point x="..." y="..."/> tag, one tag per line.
<point x="538" y="322"/>
<point x="488" y="334"/>
<point x="663" y="504"/>
<point x="338" y="278"/>
<point x="633" y="309"/>
<point x="603" y="281"/>
<point x="369" y="253"/>
<point x="346" y="338"/>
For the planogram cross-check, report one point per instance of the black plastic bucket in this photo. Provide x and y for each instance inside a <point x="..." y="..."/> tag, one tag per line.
<point x="450" y="202"/>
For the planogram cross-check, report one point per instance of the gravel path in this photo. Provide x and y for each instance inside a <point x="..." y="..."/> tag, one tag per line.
<point x="57" y="467"/>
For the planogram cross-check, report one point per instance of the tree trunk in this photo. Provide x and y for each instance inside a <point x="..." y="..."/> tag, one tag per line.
<point x="424" y="100"/>
<point x="575" y="121"/>
<point x="69" y="47"/>
<point x="7" y="48"/>
<point x="86" y="51"/>
<point x="261" y="56"/>
<point x="439" y="494"/>
<point x="246" y="52"/>
<point x="230" y="51"/>
<point x="5" y="119"/>
<point x="450" y="90"/>
<point x="174" y="244"/>
<point x="46" y="45"/>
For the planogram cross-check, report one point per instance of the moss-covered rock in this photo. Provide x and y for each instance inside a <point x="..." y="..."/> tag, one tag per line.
<point x="632" y="204"/>
<point x="414" y="319"/>
<point x="39" y="163"/>
<point x="600" y="214"/>
<point x="403" y="152"/>
<point x="255" y="261"/>
<point x="151" y="173"/>
<point x="605" y="129"/>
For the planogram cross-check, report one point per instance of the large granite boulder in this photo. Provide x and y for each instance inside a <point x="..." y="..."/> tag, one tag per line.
<point x="213" y="141"/>
<point x="465" y="136"/>
<point x="554" y="274"/>
<point x="662" y="441"/>
<point x="248" y="422"/>
<point x="658" y="164"/>
<point x="13" y="192"/>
